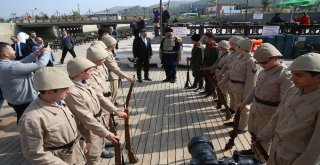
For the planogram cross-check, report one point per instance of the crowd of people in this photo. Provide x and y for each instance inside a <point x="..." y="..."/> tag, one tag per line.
<point x="276" y="103"/>
<point x="62" y="117"/>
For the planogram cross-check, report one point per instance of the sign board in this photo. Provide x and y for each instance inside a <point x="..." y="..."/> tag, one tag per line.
<point x="258" y="16"/>
<point x="270" y="30"/>
<point x="180" y="31"/>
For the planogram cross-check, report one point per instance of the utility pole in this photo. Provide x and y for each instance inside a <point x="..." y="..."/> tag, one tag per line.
<point x="78" y="8"/>
<point x="144" y="12"/>
<point x="247" y="11"/>
<point x="161" y="27"/>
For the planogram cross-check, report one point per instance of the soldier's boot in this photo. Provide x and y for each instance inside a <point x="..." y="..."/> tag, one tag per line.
<point x="194" y="85"/>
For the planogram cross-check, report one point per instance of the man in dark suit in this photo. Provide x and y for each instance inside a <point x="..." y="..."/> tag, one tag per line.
<point x="142" y="51"/>
<point x="67" y="44"/>
<point x="21" y="48"/>
<point x="31" y="41"/>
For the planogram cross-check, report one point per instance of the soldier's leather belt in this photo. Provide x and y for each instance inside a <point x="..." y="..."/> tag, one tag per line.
<point x="108" y="94"/>
<point x="237" y="82"/>
<point x="66" y="146"/>
<point x="169" y="52"/>
<point x="98" y="114"/>
<point x="264" y="102"/>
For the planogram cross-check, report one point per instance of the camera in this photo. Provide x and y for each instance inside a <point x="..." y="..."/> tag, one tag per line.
<point x="202" y="152"/>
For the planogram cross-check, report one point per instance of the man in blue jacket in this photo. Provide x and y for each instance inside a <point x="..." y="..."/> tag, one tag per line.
<point x="67" y="45"/>
<point x="16" y="76"/>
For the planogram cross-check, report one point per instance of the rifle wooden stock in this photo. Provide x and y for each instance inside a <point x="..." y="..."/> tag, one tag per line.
<point x="234" y="133"/>
<point x="188" y="75"/>
<point x="260" y="147"/>
<point x="117" y="148"/>
<point x="131" y="155"/>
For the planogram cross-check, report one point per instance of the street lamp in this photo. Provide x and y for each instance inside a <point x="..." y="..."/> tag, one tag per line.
<point x="125" y="13"/>
<point x="144" y="12"/>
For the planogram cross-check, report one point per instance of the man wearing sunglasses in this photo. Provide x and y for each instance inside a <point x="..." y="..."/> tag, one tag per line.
<point x="272" y="83"/>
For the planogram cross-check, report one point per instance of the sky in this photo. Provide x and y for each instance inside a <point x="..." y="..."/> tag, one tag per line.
<point x="50" y="7"/>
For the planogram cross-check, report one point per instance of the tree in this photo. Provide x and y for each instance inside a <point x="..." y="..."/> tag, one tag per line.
<point x="265" y="5"/>
<point x="2" y="20"/>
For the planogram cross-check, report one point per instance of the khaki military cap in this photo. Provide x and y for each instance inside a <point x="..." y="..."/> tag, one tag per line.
<point x="266" y="50"/>
<point x="78" y="65"/>
<point x="100" y="43"/>
<point x="245" y="44"/>
<point x="306" y="62"/>
<point x="235" y="39"/>
<point x="224" y="44"/>
<point x="108" y="40"/>
<point x="96" y="53"/>
<point x="49" y="78"/>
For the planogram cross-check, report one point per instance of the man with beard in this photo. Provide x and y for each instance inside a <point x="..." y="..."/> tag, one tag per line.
<point x="170" y="55"/>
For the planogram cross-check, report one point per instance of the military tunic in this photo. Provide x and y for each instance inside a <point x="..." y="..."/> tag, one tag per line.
<point x="43" y="126"/>
<point x="225" y="81"/>
<point x="196" y="59"/>
<point x="196" y="64"/>
<point x="270" y="87"/>
<point x="295" y="129"/>
<point x="84" y="104"/>
<point x="243" y="77"/>
<point x="114" y="74"/>
<point x="170" y="55"/>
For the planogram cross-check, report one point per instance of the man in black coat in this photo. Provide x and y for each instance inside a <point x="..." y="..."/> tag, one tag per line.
<point x="142" y="51"/>
<point x="165" y="16"/>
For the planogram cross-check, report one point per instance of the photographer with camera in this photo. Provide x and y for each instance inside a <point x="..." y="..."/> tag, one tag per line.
<point x="295" y="127"/>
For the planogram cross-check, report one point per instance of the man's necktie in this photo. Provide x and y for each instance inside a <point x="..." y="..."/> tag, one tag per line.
<point x="17" y="50"/>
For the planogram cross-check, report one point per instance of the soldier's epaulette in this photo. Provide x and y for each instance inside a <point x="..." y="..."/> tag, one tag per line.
<point x="178" y="39"/>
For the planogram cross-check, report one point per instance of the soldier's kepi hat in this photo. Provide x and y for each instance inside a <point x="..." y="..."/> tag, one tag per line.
<point x="96" y="53"/>
<point x="143" y="30"/>
<point x="196" y="37"/>
<point x="306" y="62"/>
<point x="168" y="29"/>
<point x="266" y="50"/>
<point x="78" y="65"/>
<point x="49" y="78"/>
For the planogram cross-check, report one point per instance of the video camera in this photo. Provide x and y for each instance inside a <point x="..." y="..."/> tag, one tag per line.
<point x="202" y="152"/>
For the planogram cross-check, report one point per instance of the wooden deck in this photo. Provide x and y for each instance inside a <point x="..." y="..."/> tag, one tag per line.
<point x="164" y="118"/>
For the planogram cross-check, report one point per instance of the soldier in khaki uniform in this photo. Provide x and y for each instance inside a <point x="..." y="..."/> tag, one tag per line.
<point x="295" y="127"/>
<point x="243" y="78"/>
<point x="114" y="71"/>
<point x="85" y="105"/>
<point x="231" y="58"/>
<point x="97" y="54"/>
<point x="272" y="83"/>
<point x="48" y="130"/>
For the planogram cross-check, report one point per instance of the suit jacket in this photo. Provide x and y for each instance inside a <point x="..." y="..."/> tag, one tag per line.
<point x="69" y="42"/>
<point x="140" y="49"/>
<point x="24" y="51"/>
<point x="30" y="44"/>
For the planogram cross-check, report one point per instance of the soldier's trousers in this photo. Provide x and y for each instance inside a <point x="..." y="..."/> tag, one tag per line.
<point x="114" y="85"/>
<point x="244" y="115"/>
<point x="95" y="148"/>
<point x="171" y="71"/>
<point x="259" y="117"/>
<point x="274" y="158"/>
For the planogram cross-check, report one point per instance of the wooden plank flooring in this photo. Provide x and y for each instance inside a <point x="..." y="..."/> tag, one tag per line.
<point x="164" y="118"/>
